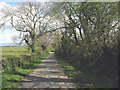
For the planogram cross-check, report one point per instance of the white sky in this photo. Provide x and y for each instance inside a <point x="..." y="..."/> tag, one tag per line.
<point x="7" y="32"/>
<point x="6" y="35"/>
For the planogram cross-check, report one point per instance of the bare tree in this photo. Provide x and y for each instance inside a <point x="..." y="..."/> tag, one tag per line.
<point x="31" y="20"/>
<point x="3" y="19"/>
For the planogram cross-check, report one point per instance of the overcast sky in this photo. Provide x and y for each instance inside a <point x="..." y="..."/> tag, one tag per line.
<point x="6" y="33"/>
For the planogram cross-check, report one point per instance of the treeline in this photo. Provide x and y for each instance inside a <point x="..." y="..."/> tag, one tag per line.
<point x="90" y="40"/>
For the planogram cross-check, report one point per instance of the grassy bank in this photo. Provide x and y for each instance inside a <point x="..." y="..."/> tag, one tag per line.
<point x="16" y="66"/>
<point x="72" y="72"/>
<point x="80" y="77"/>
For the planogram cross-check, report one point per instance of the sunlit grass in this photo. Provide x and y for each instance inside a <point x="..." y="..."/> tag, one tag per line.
<point x="22" y="71"/>
<point x="12" y="77"/>
<point x="15" y="51"/>
<point x="14" y="48"/>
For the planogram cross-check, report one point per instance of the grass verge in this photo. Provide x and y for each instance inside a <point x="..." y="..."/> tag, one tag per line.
<point x="73" y="73"/>
<point x="80" y="77"/>
<point x="12" y="75"/>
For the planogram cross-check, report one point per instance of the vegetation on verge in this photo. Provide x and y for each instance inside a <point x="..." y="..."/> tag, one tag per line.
<point x="16" y="67"/>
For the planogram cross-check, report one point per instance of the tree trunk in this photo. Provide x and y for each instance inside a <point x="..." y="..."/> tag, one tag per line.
<point x="32" y="47"/>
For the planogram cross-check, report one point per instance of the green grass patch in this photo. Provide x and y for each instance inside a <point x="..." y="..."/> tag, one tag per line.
<point x="69" y="70"/>
<point x="7" y="84"/>
<point x="14" y="48"/>
<point x="12" y="77"/>
<point x="15" y="51"/>
<point x="22" y="71"/>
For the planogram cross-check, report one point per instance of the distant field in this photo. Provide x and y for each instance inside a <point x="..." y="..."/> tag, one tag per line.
<point x="14" y="50"/>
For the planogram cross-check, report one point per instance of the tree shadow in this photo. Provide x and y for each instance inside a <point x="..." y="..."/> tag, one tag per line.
<point x="49" y="62"/>
<point x="44" y="79"/>
<point x="49" y="58"/>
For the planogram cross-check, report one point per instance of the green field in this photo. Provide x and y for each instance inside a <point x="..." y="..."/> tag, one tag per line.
<point x="15" y="50"/>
